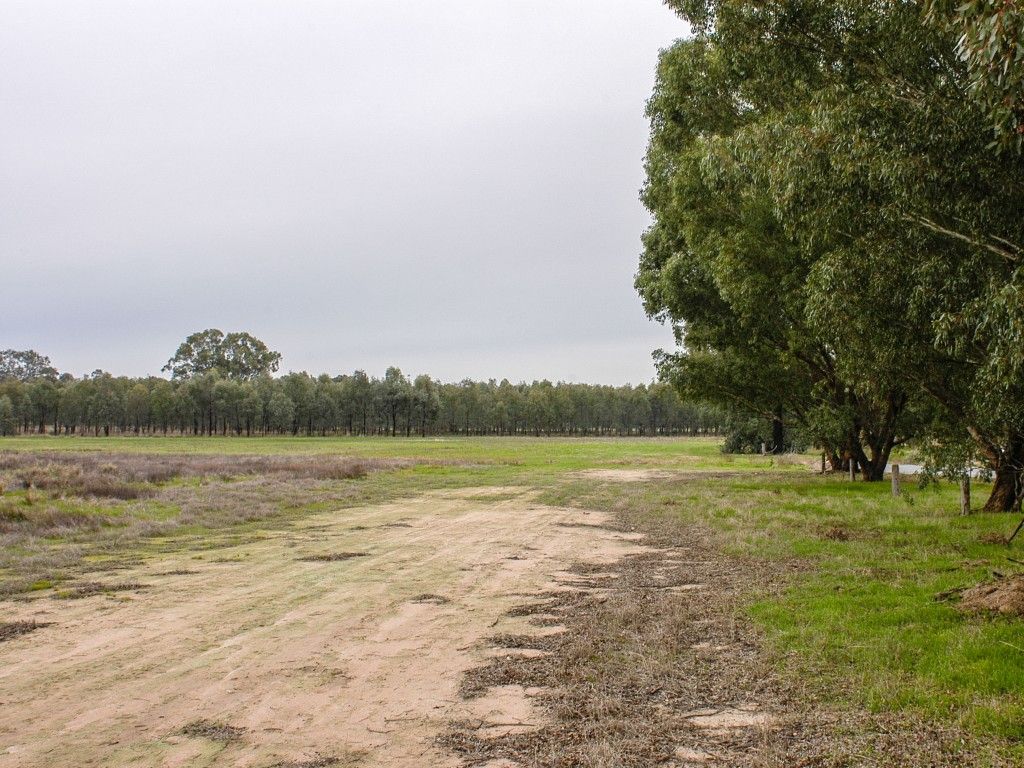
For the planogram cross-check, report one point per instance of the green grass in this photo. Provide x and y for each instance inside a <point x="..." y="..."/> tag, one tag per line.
<point x="859" y="613"/>
<point x="554" y="454"/>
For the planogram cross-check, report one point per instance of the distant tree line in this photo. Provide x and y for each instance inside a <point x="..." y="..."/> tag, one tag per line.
<point x="204" y="398"/>
<point x="837" y="192"/>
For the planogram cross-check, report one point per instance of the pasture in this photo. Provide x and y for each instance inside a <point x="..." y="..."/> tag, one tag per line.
<point x="490" y="601"/>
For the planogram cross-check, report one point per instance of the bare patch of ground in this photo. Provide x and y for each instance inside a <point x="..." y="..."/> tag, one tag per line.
<point x="313" y="666"/>
<point x="640" y="475"/>
<point x="627" y="475"/>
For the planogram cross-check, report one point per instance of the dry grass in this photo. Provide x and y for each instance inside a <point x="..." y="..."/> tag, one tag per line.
<point x="1004" y="595"/>
<point x="332" y="557"/>
<point x="12" y="629"/>
<point x="213" y="730"/>
<point x="643" y="652"/>
<point x="430" y="599"/>
<point x="56" y="507"/>
<point x="319" y="761"/>
<point x="117" y="475"/>
<point x="87" y="482"/>
<point x="91" y="588"/>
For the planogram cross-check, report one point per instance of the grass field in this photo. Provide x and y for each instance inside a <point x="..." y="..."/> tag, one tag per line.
<point x="844" y="608"/>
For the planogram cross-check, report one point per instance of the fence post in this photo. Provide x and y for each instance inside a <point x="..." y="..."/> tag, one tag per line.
<point x="823" y="462"/>
<point x="965" y="494"/>
<point x="895" y="479"/>
<point x="853" y="469"/>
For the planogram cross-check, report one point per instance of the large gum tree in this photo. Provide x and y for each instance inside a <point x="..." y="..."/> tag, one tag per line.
<point x="863" y="130"/>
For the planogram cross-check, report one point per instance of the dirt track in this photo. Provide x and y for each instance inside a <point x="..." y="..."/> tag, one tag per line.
<point x="329" y="659"/>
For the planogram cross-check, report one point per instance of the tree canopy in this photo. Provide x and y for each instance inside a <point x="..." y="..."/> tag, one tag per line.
<point x="836" y="238"/>
<point x="354" y="404"/>
<point x="25" y="365"/>
<point x="238" y="356"/>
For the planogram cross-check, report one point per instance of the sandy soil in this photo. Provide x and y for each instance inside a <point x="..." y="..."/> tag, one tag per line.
<point x="627" y="475"/>
<point x="329" y="659"/>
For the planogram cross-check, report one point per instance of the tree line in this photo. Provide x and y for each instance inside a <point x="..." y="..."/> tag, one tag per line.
<point x="837" y="193"/>
<point x="207" y="400"/>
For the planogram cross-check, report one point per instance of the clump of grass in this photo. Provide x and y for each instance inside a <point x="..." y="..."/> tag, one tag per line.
<point x="213" y="730"/>
<point x="91" y="588"/>
<point x="992" y="537"/>
<point x="49" y="521"/>
<point x="836" y="533"/>
<point x="332" y="557"/>
<point x="505" y="640"/>
<point x="73" y="480"/>
<point x="319" y="761"/>
<point x="12" y="629"/>
<point x="430" y="598"/>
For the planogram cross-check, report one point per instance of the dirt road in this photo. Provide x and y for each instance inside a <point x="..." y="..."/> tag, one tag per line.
<point x="352" y="660"/>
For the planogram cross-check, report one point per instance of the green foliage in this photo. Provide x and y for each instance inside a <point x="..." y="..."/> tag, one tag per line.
<point x="7" y="420"/>
<point x="991" y="43"/>
<point x="235" y="355"/>
<point x="828" y="159"/>
<point x="297" y="403"/>
<point x="25" y="365"/>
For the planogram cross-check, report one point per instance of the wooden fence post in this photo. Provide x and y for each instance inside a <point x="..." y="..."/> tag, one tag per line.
<point x="823" y="462"/>
<point x="965" y="494"/>
<point x="895" y="479"/>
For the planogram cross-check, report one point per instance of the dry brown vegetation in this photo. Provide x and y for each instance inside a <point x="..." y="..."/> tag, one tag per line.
<point x="60" y="509"/>
<point x="212" y="730"/>
<point x="90" y="588"/>
<point x="107" y="475"/>
<point x="659" y="666"/>
<point x="316" y="762"/>
<point x="331" y="557"/>
<point x="12" y="629"/>
<point x="1002" y="596"/>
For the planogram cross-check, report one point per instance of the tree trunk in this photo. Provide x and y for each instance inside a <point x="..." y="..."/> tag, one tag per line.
<point x="1007" y="486"/>
<point x="778" y="433"/>
<point x="873" y="468"/>
<point x="1004" y="492"/>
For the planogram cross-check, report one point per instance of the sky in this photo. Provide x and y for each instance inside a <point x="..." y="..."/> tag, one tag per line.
<point x="449" y="187"/>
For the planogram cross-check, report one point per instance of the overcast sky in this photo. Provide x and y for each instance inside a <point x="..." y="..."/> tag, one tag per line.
<point x="450" y="187"/>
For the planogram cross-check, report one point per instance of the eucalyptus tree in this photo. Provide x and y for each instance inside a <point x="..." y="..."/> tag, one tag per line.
<point x="237" y="355"/>
<point x="721" y="266"/>
<point x="989" y="40"/>
<point x="8" y="423"/>
<point x="427" y="402"/>
<point x="137" y="406"/>
<point x="280" y="413"/>
<point x="25" y="365"/>
<point x="868" y="128"/>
